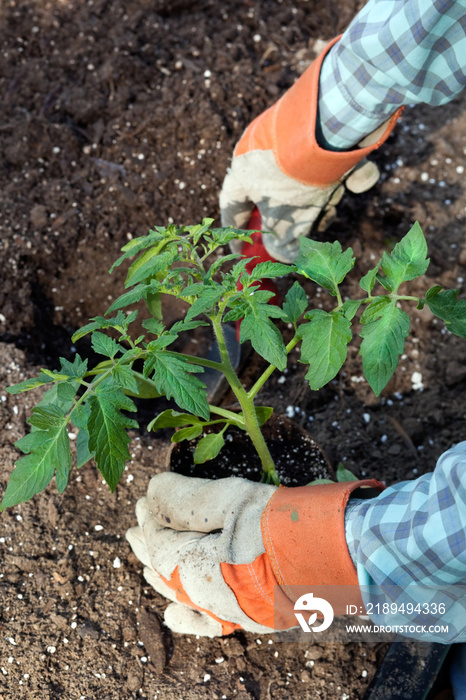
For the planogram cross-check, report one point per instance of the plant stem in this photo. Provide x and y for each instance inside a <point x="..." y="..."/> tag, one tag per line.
<point x="270" y="369"/>
<point x="247" y="405"/>
<point x="228" y="415"/>
<point x="198" y="360"/>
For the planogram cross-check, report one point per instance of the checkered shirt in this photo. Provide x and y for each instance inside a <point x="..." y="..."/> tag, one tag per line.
<point x="395" y="52"/>
<point x="409" y="545"/>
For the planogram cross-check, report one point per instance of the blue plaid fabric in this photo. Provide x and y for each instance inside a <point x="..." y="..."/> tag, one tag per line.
<point x="395" y="52"/>
<point x="409" y="545"/>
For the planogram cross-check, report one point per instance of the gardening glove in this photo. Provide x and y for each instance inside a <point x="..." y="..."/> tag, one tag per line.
<point x="226" y="552"/>
<point x="279" y="167"/>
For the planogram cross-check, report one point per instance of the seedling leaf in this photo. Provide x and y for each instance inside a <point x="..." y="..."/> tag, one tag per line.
<point x="368" y="281"/>
<point x="446" y="305"/>
<point x="48" y="450"/>
<point x="344" y="474"/>
<point x="324" y="347"/>
<point x="350" y="308"/>
<point x="295" y="303"/>
<point x="407" y="260"/>
<point x="206" y="302"/>
<point x="263" y="413"/>
<point x="124" y="376"/>
<point x="270" y="270"/>
<point x="100" y="322"/>
<point x="76" y="369"/>
<point x="107" y="425"/>
<point x="104" y="345"/>
<point x="386" y="327"/>
<point x="174" y="378"/>
<point x="257" y="327"/>
<point x="172" y="419"/>
<point x="208" y="448"/>
<point x="132" y="297"/>
<point x="29" y="384"/>
<point x="193" y="431"/>
<point x="324" y="263"/>
<point x="148" y="265"/>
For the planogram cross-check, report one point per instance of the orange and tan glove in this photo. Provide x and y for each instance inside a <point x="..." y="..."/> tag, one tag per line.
<point x="279" y="167"/>
<point x="227" y="552"/>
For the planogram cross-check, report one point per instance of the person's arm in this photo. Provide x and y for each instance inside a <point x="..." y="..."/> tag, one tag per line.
<point x="409" y="545"/>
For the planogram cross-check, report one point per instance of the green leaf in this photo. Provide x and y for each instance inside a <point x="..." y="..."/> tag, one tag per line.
<point x="271" y="269"/>
<point x="76" y="369"/>
<point x="145" y="388"/>
<point x="174" y="378"/>
<point x="295" y="303"/>
<point x="208" y="447"/>
<point x="324" y="347"/>
<point x="446" y="305"/>
<point x="48" y="450"/>
<point x="172" y="419"/>
<point x="324" y="263"/>
<point x="263" y="413"/>
<point x="407" y="260"/>
<point x="29" y="384"/>
<point x="100" y="322"/>
<point x="375" y="308"/>
<point x="45" y="417"/>
<point x="132" y="297"/>
<point x="187" y="433"/>
<point x="61" y="396"/>
<point x="219" y="263"/>
<point x="55" y="376"/>
<point x="150" y="264"/>
<point x="135" y="246"/>
<point x="83" y="454"/>
<point x="192" y="290"/>
<point x="206" y="302"/>
<point x="124" y="376"/>
<point x="154" y="303"/>
<point x="107" y="425"/>
<point x="368" y="281"/>
<point x="257" y="327"/>
<point x="350" y="308"/>
<point x="223" y="236"/>
<point x="104" y="345"/>
<point x="234" y="314"/>
<point x="153" y="325"/>
<point x="433" y="291"/>
<point x="345" y="474"/>
<point x="198" y="230"/>
<point x="383" y="335"/>
<point x="79" y="418"/>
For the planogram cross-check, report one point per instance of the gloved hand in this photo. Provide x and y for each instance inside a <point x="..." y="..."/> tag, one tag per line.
<point x="279" y="167"/>
<point x="226" y="552"/>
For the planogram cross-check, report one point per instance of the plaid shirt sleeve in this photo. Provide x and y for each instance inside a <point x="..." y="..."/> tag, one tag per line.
<point x="409" y="545"/>
<point x="394" y="52"/>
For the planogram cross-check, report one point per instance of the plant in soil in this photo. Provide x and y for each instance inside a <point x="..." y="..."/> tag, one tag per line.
<point x="188" y="262"/>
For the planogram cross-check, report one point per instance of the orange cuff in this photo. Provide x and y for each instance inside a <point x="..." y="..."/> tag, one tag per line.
<point x="288" y="128"/>
<point x="303" y="530"/>
<point x="304" y="535"/>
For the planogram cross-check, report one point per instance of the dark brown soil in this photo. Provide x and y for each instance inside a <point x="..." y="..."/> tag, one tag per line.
<point x="118" y="116"/>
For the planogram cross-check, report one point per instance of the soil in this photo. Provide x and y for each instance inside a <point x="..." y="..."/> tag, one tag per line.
<point x="118" y="116"/>
<point x="298" y="458"/>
